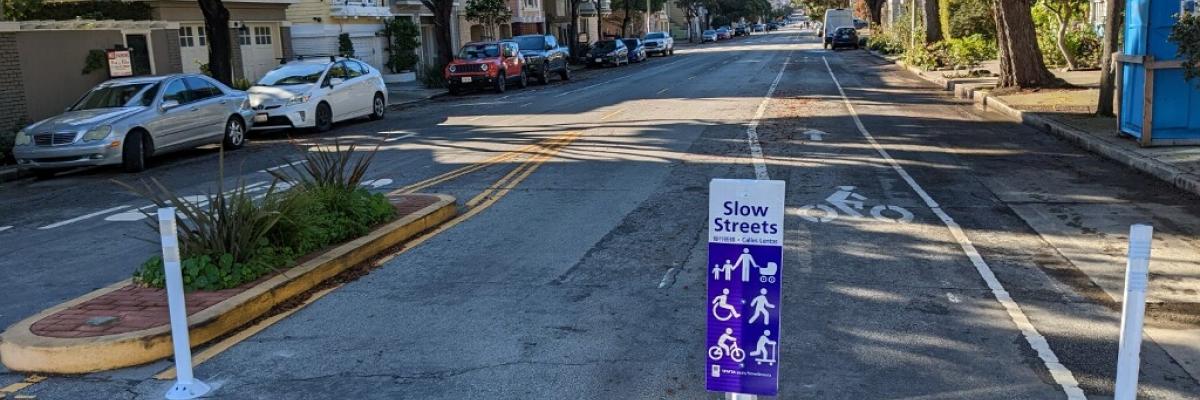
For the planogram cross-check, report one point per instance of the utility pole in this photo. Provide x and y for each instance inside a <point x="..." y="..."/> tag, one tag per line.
<point x="912" y="32"/>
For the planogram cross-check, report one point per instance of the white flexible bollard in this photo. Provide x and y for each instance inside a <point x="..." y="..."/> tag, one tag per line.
<point x="1133" y="311"/>
<point x="186" y="386"/>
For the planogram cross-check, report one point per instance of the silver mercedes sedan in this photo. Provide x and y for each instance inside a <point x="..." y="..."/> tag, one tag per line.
<point x="125" y="121"/>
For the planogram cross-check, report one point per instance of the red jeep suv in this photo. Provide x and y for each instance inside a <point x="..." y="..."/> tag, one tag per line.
<point x="486" y="64"/>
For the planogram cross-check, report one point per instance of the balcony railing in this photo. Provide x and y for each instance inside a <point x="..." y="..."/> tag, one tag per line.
<point x="359" y="8"/>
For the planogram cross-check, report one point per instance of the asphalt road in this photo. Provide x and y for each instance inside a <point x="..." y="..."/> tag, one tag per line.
<point x="586" y="280"/>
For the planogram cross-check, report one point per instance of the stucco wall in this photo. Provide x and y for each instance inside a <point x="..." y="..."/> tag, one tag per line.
<point x="166" y="51"/>
<point x="189" y="11"/>
<point x="52" y="78"/>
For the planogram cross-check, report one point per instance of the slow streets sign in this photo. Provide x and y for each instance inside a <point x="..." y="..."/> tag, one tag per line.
<point x="745" y="275"/>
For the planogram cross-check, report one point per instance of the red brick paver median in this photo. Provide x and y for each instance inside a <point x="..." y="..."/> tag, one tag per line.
<point x="133" y="308"/>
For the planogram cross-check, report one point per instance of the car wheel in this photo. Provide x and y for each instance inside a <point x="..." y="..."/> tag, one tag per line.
<point x="544" y="76"/>
<point x="565" y="74"/>
<point x="235" y="133"/>
<point x="378" y="107"/>
<point x="524" y="82"/>
<point x="501" y="82"/>
<point x="324" y="117"/>
<point x="671" y="52"/>
<point x="133" y="155"/>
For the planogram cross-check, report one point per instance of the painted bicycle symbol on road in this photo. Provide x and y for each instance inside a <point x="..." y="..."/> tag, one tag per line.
<point x="846" y="202"/>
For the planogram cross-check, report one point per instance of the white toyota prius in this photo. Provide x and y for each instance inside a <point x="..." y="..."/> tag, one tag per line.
<point x="316" y="92"/>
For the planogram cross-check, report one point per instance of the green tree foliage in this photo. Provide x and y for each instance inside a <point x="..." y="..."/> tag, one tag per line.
<point x="28" y="10"/>
<point x="969" y="17"/>
<point x="489" y="13"/>
<point x="403" y="37"/>
<point x="1074" y="45"/>
<point x="1186" y="34"/>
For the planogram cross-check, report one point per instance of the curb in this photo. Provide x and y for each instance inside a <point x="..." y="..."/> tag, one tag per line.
<point x="12" y="173"/>
<point x="1181" y="179"/>
<point x="21" y="350"/>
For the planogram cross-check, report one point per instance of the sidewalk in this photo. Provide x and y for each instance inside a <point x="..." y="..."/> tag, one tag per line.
<point x="1095" y="241"/>
<point x="411" y="92"/>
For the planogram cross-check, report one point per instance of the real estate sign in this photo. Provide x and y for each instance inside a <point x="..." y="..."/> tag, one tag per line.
<point x="119" y="63"/>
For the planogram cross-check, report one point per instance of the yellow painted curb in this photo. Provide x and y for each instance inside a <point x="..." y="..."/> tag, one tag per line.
<point x="21" y="350"/>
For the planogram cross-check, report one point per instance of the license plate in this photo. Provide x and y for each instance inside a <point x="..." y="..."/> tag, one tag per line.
<point x="260" y="117"/>
<point x="466" y="79"/>
<point x="599" y="59"/>
<point x="845" y="37"/>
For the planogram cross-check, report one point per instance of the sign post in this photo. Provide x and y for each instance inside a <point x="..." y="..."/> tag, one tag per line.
<point x="186" y="385"/>
<point x="745" y="275"/>
<point x="1133" y="312"/>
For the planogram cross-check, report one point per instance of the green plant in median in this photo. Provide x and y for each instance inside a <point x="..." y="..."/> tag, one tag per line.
<point x="231" y="238"/>
<point x="1186" y="34"/>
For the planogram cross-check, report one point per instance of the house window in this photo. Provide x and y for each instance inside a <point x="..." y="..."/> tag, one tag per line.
<point x="262" y="35"/>
<point x="561" y="8"/>
<point x="185" y="37"/>
<point x="244" y="36"/>
<point x="531" y="3"/>
<point x="201" y="37"/>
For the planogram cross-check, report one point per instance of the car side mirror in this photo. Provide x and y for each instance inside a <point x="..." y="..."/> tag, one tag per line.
<point x="336" y="81"/>
<point x="169" y="104"/>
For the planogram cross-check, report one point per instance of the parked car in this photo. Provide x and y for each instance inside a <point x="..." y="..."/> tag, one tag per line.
<point x="845" y="37"/>
<point x="543" y="56"/>
<point x="723" y="33"/>
<point x="125" y="121"/>
<point x="741" y="30"/>
<point x="637" y="51"/>
<point x="488" y="65"/>
<point x="774" y="26"/>
<point x="659" y="42"/>
<point x="606" y="52"/>
<point x="317" y="92"/>
<point x="759" y="28"/>
<point x="709" y="36"/>
<point x="835" y="18"/>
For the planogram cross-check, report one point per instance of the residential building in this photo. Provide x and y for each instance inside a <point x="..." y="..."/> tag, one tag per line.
<point x="1097" y="13"/>
<point x="417" y="12"/>
<point x="316" y="26"/>
<point x="527" y="17"/>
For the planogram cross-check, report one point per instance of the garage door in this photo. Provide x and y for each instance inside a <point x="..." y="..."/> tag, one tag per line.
<point x="193" y="47"/>
<point x="258" y="50"/>
<point x="370" y="50"/>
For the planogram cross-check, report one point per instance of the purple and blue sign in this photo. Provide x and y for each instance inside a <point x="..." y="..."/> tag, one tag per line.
<point x="745" y="273"/>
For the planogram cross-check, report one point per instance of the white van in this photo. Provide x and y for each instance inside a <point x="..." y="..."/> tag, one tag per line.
<point x="836" y="18"/>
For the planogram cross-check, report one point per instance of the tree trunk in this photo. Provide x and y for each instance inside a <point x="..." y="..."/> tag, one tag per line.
<point x="1063" y="17"/>
<point x="1112" y="28"/>
<point x="875" y="8"/>
<point x="933" y="24"/>
<point x="1025" y="69"/>
<point x="216" y="23"/>
<point x="443" y="11"/>
<point x="1006" y="75"/>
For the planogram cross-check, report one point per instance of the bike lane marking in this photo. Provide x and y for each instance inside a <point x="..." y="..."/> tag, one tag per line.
<point x="1059" y="372"/>
<point x="756" y="153"/>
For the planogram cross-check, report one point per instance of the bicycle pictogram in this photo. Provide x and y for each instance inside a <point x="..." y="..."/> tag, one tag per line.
<point x="846" y="202"/>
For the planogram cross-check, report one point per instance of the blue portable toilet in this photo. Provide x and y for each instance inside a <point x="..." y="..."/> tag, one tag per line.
<point x="1158" y="107"/>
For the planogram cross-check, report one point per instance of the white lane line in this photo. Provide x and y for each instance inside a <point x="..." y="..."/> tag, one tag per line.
<point x="5" y="228"/>
<point x="1059" y="372"/>
<point x="82" y="217"/>
<point x="663" y="91"/>
<point x="284" y="165"/>
<point x="582" y="88"/>
<point x="756" y="153"/>
<point x="401" y="137"/>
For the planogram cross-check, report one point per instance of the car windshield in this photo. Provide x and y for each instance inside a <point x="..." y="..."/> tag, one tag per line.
<point x="530" y="42"/>
<point x="845" y="31"/>
<point x="723" y="29"/>
<point x="656" y="35"/>
<point x="606" y="45"/>
<point x="113" y="96"/>
<point x="299" y="74"/>
<point x="630" y="43"/>
<point x="710" y="32"/>
<point x="477" y="51"/>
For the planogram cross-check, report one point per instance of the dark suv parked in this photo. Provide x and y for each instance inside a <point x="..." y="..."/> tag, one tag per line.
<point x="543" y="56"/>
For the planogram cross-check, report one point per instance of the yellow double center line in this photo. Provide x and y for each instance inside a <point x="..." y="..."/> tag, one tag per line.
<point x="539" y="154"/>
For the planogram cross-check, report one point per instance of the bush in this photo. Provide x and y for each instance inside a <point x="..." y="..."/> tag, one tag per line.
<point x="432" y="77"/>
<point x="229" y="239"/>
<point x="1186" y="34"/>
<point x="969" y="17"/>
<point x="919" y="56"/>
<point x="968" y="52"/>
<point x="29" y="10"/>
<point x="345" y="45"/>
<point x="403" y="47"/>
<point x="884" y="42"/>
